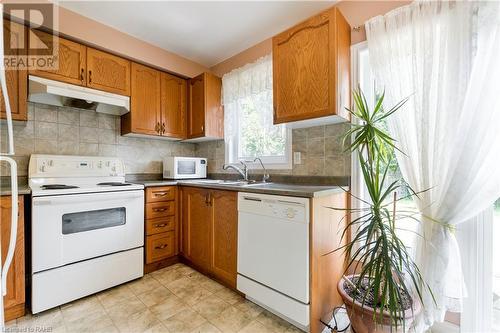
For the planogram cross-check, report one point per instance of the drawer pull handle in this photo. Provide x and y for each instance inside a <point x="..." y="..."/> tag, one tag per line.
<point x="160" y="194"/>
<point x="159" y="209"/>
<point x="160" y="225"/>
<point x="161" y="247"/>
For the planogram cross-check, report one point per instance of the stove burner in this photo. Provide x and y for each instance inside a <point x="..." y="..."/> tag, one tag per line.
<point x="113" y="184"/>
<point x="57" y="187"/>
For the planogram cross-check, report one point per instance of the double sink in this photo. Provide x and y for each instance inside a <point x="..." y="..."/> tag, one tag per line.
<point x="242" y="183"/>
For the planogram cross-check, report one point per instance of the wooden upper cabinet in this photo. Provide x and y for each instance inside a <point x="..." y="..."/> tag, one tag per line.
<point x="205" y="112"/>
<point x="14" y="301"/>
<point x="196" y="226"/>
<point x="311" y="69"/>
<point x="145" y="102"/>
<point x="173" y="106"/>
<point x="108" y="72"/>
<point x="71" y="58"/>
<point x="14" y="34"/>
<point x="224" y="205"/>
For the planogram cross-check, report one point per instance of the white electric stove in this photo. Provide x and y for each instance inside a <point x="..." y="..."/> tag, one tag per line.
<point x="87" y="227"/>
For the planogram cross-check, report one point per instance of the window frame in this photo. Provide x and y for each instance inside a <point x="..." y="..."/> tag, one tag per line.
<point x="282" y="162"/>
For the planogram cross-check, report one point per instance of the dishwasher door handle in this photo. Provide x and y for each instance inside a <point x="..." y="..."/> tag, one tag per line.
<point x="252" y="199"/>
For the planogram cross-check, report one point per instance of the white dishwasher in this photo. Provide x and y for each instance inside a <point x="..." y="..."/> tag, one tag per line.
<point x="273" y="254"/>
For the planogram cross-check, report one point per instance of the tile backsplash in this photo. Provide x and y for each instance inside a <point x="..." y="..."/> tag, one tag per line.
<point x="320" y="147"/>
<point x="68" y="131"/>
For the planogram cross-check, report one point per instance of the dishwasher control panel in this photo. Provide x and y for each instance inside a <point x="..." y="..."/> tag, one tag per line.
<point x="287" y="208"/>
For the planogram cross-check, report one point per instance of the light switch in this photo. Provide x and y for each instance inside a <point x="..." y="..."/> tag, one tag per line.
<point x="296" y="157"/>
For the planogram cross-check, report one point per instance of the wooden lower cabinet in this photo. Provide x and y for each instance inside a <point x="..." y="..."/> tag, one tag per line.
<point x="14" y="301"/>
<point x="160" y="227"/>
<point x="209" y="231"/>
<point x="196" y="226"/>
<point x="224" y="206"/>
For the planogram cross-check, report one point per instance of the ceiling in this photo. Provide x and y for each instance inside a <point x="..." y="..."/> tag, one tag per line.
<point x="206" y="32"/>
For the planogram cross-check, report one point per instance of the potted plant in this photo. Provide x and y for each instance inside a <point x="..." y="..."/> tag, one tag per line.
<point x="383" y="293"/>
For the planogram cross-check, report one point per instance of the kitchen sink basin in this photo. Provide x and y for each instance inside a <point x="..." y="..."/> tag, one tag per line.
<point x="242" y="183"/>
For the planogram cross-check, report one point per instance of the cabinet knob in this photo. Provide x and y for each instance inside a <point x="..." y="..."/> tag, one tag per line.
<point x="202" y="128"/>
<point x="163" y="128"/>
<point x="161" y="246"/>
<point x="82" y="75"/>
<point x="90" y="76"/>
<point x="160" y="225"/>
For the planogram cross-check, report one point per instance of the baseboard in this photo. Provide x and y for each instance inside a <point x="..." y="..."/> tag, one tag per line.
<point x="14" y="312"/>
<point x="148" y="268"/>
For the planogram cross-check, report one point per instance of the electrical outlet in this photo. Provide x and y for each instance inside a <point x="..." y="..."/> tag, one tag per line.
<point x="296" y="157"/>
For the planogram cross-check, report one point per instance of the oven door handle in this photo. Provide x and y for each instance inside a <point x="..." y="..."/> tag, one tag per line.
<point x="43" y="202"/>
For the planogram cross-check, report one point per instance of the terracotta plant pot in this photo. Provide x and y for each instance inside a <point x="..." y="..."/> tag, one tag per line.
<point x="361" y="317"/>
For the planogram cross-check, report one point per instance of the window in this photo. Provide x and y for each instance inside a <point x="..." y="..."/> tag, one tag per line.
<point x="496" y="267"/>
<point x="406" y="225"/>
<point x="479" y="241"/>
<point x="248" y="118"/>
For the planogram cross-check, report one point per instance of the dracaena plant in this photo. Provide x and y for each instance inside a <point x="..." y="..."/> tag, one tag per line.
<point x="387" y="273"/>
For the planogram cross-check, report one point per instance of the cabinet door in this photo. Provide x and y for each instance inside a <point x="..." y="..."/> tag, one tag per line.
<point x="196" y="116"/>
<point x="108" y="72"/>
<point x="196" y="227"/>
<point x="17" y="83"/>
<point x="214" y="112"/>
<point x="15" y="298"/>
<point x="303" y="70"/>
<point x="71" y="58"/>
<point x="145" y="100"/>
<point x="173" y="106"/>
<point x="224" y="248"/>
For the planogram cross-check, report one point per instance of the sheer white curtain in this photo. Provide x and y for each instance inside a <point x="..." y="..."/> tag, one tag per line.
<point x="445" y="56"/>
<point x="254" y="79"/>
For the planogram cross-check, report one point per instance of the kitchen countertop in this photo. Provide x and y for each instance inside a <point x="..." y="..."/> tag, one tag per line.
<point x="294" y="190"/>
<point x="22" y="185"/>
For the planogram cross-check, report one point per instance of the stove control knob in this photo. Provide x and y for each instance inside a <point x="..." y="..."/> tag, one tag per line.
<point x="42" y="168"/>
<point x="51" y="163"/>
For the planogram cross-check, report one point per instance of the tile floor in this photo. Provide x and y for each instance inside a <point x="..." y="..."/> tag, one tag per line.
<point x="175" y="299"/>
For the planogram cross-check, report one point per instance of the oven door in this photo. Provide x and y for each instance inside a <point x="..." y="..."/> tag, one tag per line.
<point x="71" y="228"/>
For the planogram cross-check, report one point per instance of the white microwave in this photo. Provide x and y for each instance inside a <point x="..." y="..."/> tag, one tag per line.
<point x="184" y="167"/>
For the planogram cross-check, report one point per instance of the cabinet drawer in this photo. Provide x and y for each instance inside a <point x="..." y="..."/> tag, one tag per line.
<point x="162" y="193"/>
<point x="160" y="209"/>
<point x="160" y="246"/>
<point x="156" y="226"/>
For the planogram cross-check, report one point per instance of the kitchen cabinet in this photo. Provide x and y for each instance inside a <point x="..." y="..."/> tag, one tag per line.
<point x="108" y="72"/>
<point x="196" y="227"/>
<point x="145" y="102"/>
<point x="16" y="78"/>
<point x="224" y="206"/>
<point x="14" y="301"/>
<point x="71" y="56"/>
<point x="173" y="106"/>
<point x="311" y="68"/>
<point x="160" y="226"/>
<point x="158" y="104"/>
<point x="83" y="66"/>
<point x="205" y="112"/>
<point x="209" y="232"/>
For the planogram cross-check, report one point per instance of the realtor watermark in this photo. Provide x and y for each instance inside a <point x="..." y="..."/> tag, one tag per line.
<point x="28" y="329"/>
<point x="28" y="45"/>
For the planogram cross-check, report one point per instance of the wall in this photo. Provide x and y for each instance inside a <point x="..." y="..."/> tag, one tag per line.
<point x="90" y="32"/>
<point x="67" y="131"/>
<point x="356" y="12"/>
<point x="321" y="153"/>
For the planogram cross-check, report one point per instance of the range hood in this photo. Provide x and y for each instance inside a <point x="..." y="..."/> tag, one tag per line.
<point x="57" y="93"/>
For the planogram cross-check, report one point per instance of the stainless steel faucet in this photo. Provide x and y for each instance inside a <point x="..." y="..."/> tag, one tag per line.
<point x="266" y="176"/>
<point x="243" y="171"/>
